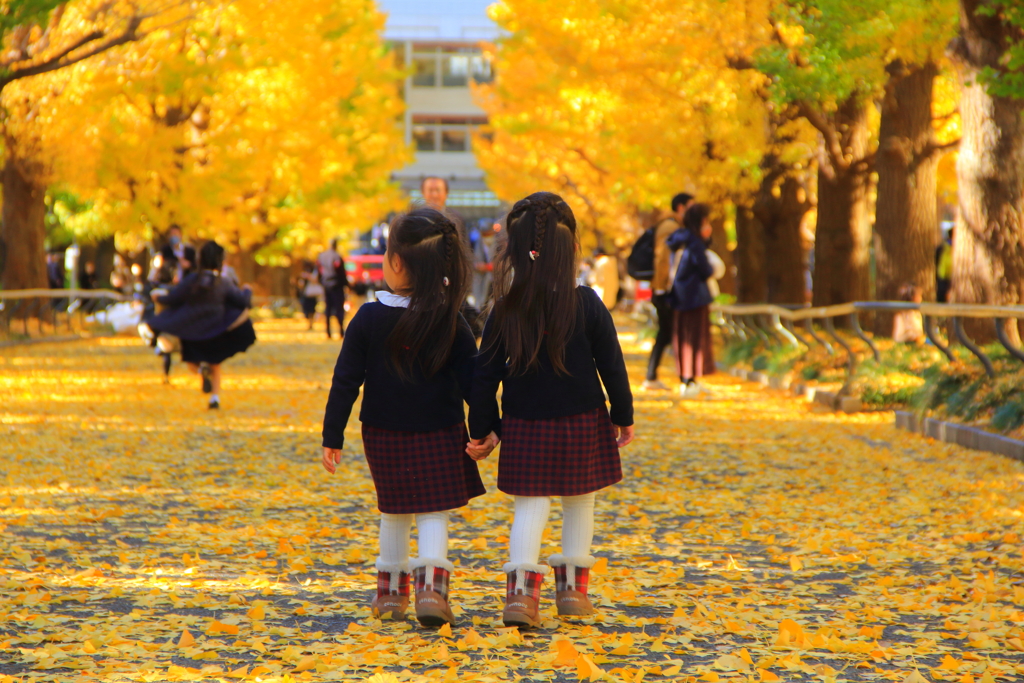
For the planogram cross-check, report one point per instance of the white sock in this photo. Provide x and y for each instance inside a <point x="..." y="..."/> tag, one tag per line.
<point x="214" y="397"/>
<point x="578" y="525"/>
<point x="531" y="516"/>
<point x="394" y="542"/>
<point x="433" y="536"/>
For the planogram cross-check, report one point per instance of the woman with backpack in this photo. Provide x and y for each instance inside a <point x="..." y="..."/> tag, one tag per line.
<point x="690" y="298"/>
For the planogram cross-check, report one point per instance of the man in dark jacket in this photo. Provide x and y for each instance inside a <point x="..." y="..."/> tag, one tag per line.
<point x="660" y="286"/>
<point x="331" y="267"/>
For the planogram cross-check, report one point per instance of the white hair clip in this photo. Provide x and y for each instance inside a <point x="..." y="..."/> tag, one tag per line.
<point x="533" y="256"/>
<point x="445" y="281"/>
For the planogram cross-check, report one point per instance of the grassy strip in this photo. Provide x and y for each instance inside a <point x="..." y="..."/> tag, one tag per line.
<point x="907" y="376"/>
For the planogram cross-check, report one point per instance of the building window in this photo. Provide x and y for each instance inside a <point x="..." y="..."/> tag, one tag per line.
<point x="449" y="67"/>
<point x="444" y="133"/>
<point x="425" y="138"/>
<point x="424" y="71"/>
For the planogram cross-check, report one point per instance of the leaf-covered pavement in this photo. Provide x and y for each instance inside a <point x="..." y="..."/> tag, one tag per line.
<point x="755" y="538"/>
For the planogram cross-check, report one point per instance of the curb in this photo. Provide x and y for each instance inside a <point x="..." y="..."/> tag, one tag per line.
<point x="829" y="399"/>
<point x="962" y="435"/>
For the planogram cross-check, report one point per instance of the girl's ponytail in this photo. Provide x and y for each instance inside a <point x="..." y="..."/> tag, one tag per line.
<point x="535" y="301"/>
<point x="437" y="262"/>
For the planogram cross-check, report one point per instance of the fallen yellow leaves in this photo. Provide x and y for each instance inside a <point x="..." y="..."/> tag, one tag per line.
<point x="753" y="539"/>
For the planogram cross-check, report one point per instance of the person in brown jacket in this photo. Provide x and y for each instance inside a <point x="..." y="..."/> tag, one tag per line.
<point x="661" y="283"/>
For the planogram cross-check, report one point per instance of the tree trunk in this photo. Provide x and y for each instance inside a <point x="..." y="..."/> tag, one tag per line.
<point x="23" y="230"/>
<point x="750" y="257"/>
<point x="780" y="208"/>
<point x="843" y="234"/>
<point x="988" y="257"/>
<point x="906" y="217"/>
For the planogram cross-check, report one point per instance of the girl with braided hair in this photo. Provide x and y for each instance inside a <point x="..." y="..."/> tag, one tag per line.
<point x="550" y="344"/>
<point x="413" y="354"/>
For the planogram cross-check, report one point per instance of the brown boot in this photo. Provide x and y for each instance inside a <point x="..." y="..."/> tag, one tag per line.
<point x="392" y="596"/>
<point x="572" y="574"/>
<point x="431" y="579"/>
<point x="522" y="595"/>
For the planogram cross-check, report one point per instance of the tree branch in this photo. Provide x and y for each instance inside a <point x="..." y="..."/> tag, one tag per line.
<point x="833" y="146"/>
<point x="933" y="149"/>
<point x="130" y="34"/>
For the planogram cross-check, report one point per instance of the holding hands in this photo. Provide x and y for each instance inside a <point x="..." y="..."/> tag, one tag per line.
<point x="478" y="449"/>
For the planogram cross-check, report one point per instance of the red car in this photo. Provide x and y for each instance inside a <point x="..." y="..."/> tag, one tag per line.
<point x="365" y="271"/>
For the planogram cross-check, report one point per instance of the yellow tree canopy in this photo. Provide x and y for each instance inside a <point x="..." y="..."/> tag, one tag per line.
<point x="261" y="124"/>
<point x="619" y="104"/>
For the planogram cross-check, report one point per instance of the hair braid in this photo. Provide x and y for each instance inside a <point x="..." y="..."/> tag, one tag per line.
<point x="450" y="234"/>
<point x="542" y="215"/>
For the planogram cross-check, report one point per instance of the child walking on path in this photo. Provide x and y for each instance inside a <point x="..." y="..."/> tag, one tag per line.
<point x="414" y="353"/>
<point x="546" y="341"/>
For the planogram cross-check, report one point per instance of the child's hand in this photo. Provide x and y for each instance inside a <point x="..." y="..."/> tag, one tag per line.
<point x="623" y="435"/>
<point x="332" y="456"/>
<point x="478" y="449"/>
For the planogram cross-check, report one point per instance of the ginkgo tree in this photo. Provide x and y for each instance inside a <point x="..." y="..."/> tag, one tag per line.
<point x="39" y="38"/>
<point x="263" y="125"/>
<point x="266" y="126"/>
<point x="620" y="105"/>
<point x="988" y="248"/>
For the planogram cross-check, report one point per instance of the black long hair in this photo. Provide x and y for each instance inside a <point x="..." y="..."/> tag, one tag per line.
<point x="437" y="262"/>
<point x="535" y="301"/>
<point x="211" y="259"/>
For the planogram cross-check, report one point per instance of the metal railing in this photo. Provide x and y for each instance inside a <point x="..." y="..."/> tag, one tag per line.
<point x="40" y="314"/>
<point x="777" y="325"/>
<point x="51" y="310"/>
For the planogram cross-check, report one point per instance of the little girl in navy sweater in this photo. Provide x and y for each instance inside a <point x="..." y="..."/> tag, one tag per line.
<point x="414" y="353"/>
<point x="546" y="342"/>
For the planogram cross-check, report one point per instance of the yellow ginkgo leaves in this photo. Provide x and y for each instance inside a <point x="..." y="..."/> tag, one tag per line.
<point x="753" y="539"/>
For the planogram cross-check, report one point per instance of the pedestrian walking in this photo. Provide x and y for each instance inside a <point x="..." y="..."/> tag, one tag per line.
<point x="690" y="299"/>
<point x="210" y="315"/>
<point x="179" y="254"/>
<point x="334" y="279"/>
<point x="549" y="343"/>
<point x="309" y="291"/>
<point x="605" y="278"/>
<point x="483" y="264"/>
<point x="661" y="283"/>
<point x="413" y="354"/>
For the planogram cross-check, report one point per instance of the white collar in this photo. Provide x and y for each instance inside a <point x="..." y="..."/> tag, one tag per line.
<point x="393" y="300"/>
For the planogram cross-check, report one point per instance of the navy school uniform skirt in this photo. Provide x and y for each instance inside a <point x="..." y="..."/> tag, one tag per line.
<point x="217" y="350"/>
<point x="421" y="471"/>
<point x="564" y="456"/>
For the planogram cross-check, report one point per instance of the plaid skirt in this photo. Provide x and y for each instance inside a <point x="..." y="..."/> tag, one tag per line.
<point x="562" y="456"/>
<point x="421" y="471"/>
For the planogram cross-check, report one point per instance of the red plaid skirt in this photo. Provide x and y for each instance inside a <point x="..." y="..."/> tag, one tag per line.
<point x="563" y="456"/>
<point x="421" y="471"/>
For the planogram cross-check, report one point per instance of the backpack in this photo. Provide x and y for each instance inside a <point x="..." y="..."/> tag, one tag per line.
<point x="640" y="264"/>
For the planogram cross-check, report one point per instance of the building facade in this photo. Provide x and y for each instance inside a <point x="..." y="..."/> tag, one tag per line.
<point x="439" y="43"/>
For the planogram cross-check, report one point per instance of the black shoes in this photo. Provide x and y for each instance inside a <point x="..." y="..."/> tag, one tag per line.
<point x="214" y="404"/>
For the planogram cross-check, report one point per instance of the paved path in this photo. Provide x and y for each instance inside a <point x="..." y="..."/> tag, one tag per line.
<point x="755" y="538"/>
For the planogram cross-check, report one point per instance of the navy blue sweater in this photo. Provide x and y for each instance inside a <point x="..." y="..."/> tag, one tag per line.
<point x="420" y="405"/>
<point x="690" y="287"/>
<point x="540" y="393"/>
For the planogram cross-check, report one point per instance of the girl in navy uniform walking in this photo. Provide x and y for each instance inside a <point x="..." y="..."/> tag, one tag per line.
<point x="413" y="353"/>
<point x="550" y="344"/>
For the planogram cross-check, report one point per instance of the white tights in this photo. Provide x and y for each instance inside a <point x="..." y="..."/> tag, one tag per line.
<point x="394" y="539"/>
<point x="531" y="516"/>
